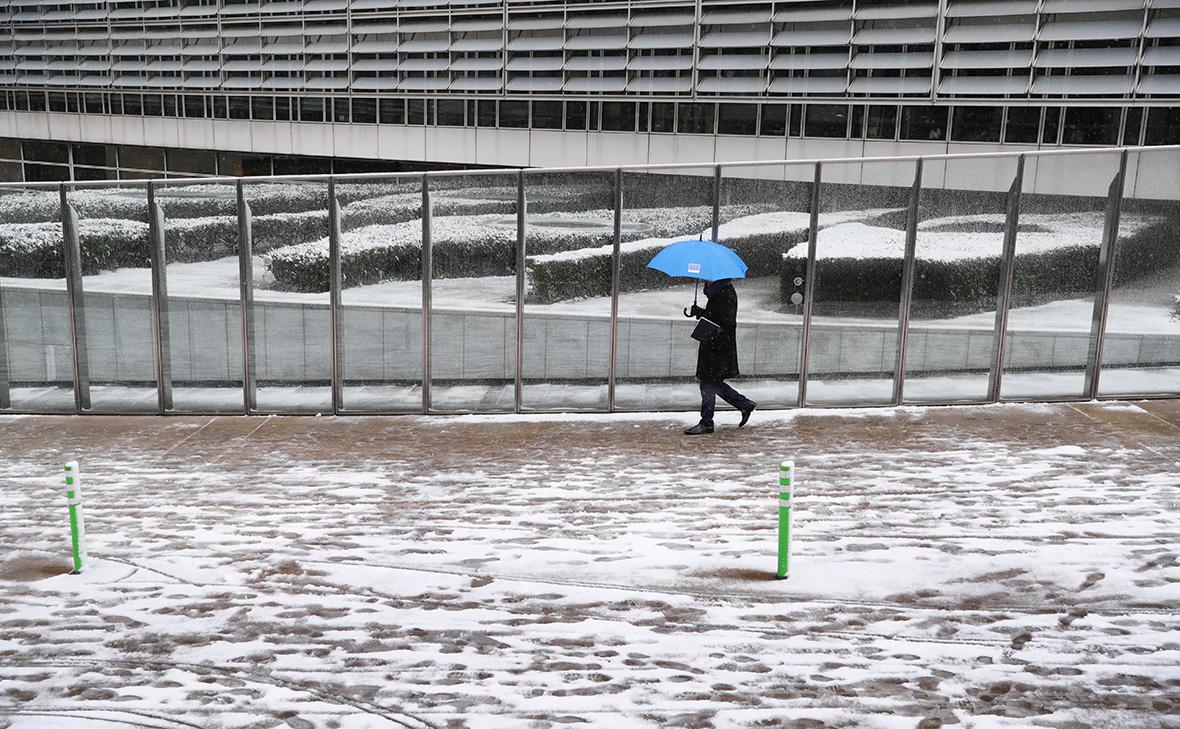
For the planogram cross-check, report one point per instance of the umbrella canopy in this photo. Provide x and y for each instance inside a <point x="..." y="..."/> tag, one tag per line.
<point x="701" y="259"/>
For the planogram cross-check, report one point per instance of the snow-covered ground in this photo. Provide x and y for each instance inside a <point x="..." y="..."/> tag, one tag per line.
<point x="986" y="567"/>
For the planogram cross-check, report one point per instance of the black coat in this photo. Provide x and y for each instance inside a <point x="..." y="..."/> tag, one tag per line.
<point x="717" y="358"/>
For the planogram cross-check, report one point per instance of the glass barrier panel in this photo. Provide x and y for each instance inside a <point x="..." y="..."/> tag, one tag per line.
<point x="473" y="292"/>
<point x="569" y="237"/>
<point x="380" y="314"/>
<point x="1062" y="216"/>
<point x="36" y="348"/>
<point x="1141" y="351"/>
<point x="852" y="355"/>
<point x="962" y="214"/>
<point x="657" y="356"/>
<point x="291" y="319"/>
<point x="117" y="297"/>
<point x="766" y="213"/>
<point x="203" y="339"/>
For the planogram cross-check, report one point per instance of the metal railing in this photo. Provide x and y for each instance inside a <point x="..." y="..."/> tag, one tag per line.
<point x="1166" y="199"/>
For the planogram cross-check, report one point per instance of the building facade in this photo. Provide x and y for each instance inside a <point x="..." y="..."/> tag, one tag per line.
<point x="142" y="88"/>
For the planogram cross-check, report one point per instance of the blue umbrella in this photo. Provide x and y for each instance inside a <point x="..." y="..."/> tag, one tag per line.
<point x="700" y="259"/>
<point x="703" y="260"/>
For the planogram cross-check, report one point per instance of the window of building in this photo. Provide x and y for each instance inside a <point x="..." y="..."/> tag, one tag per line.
<point x="1052" y="125"/>
<point x="976" y="123"/>
<point x="1023" y="125"/>
<point x="72" y="105"/>
<point x="826" y="120"/>
<point x="46" y="173"/>
<point x="311" y="109"/>
<point x="9" y="149"/>
<point x="341" y="111"/>
<point x="773" y="122"/>
<point x="923" y="122"/>
<point x="132" y="104"/>
<point x="57" y="101"/>
<point x="795" y="122"/>
<point x="191" y="161"/>
<point x="857" y="123"/>
<point x="220" y="107"/>
<point x="1131" y="127"/>
<point x="94" y="173"/>
<point x="548" y="115"/>
<point x="239" y="107"/>
<point x="592" y="111"/>
<point x="618" y="116"/>
<point x="262" y="108"/>
<point x="1163" y="125"/>
<point x="487" y="114"/>
<point x="115" y="103"/>
<point x="575" y="115"/>
<point x="737" y="118"/>
<point x="644" y="116"/>
<point x="451" y="112"/>
<point x="143" y="158"/>
<point x="514" y="114"/>
<point x="392" y="111"/>
<point x="170" y="106"/>
<point x="46" y="151"/>
<point x="37" y="101"/>
<point x="415" y="111"/>
<point x="282" y="108"/>
<point x="695" y="119"/>
<point x="94" y="155"/>
<point x="153" y="105"/>
<point x="663" y="116"/>
<point x="1090" y="125"/>
<point x="881" y="122"/>
<point x="92" y="104"/>
<point x="194" y="106"/>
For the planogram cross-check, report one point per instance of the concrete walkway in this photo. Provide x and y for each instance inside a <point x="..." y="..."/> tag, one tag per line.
<point x="996" y="566"/>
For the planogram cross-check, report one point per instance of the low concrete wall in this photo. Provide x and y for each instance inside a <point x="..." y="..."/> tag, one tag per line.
<point x="384" y="344"/>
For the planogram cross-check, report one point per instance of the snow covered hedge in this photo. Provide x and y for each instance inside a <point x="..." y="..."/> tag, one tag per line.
<point x="760" y="238"/>
<point x="467" y="245"/>
<point x="34" y="250"/>
<point x="957" y="266"/>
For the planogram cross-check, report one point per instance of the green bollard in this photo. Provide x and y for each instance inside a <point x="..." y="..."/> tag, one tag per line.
<point x="786" y="490"/>
<point x="74" y="499"/>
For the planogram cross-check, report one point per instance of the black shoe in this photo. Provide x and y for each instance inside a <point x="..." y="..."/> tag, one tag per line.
<point x="746" y="414"/>
<point x="699" y="429"/>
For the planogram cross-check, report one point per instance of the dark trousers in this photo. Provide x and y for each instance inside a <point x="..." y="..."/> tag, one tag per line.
<point x="710" y="389"/>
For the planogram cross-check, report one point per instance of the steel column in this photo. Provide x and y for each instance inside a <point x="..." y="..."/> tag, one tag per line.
<point x="427" y="274"/>
<point x="521" y="242"/>
<point x="334" y="296"/>
<point x="246" y="282"/>
<point x="809" y="285"/>
<point x="716" y="203"/>
<point x="1105" y="279"/>
<point x="1004" y="285"/>
<point x="72" y="256"/>
<point x="615" y="265"/>
<point x="907" y="284"/>
<point x="162" y="338"/>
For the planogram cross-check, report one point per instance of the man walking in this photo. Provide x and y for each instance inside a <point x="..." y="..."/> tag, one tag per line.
<point x="717" y="358"/>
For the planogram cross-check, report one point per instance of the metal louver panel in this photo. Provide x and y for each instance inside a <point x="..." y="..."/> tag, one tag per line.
<point x="983" y="85"/>
<point x="367" y="64"/>
<point x="718" y="39"/>
<point x="1162" y="56"/>
<point x="641" y="19"/>
<point x="897" y="12"/>
<point x="893" y="60"/>
<point x="1095" y="30"/>
<point x="383" y="46"/>
<point x="603" y="85"/>
<point x="889" y="85"/>
<point x="660" y="63"/>
<point x="527" y="64"/>
<point x="596" y="63"/>
<point x="824" y="37"/>
<point x="1068" y="58"/>
<point x="597" y="42"/>
<point x="425" y="45"/>
<point x="528" y="83"/>
<point x="326" y="84"/>
<point x="376" y="83"/>
<point x="893" y="36"/>
<point x="596" y="21"/>
<point x="285" y="66"/>
<point x="1088" y="6"/>
<point x="987" y="59"/>
<point x="475" y="83"/>
<point x="734" y="62"/>
<point x="537" y="43"/>
<point x="990" y="33"/>
<point x="661" y="40"/>
<point x="1083" y="85"/>
<point x="429" y="83"/>
<point x="735" y="17"/>
<point x="821" y="85"/>
<point x="990" y="8"/>
<point x="1164" y="28"/>
<point x="326" y="65"/>
<point x="477" y="64"/>
<point x="284" y="82"/>
<point x="731" y="85"/>
<point x="477" y="45"/>
<point x="1162" y="84"/>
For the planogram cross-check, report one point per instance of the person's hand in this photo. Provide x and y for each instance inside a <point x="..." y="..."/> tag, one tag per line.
<point x="696" y="311"/>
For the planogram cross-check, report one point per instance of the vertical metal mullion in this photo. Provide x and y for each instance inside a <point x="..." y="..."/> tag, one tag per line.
<point x="1007" y="273"/>
<point x="907" y="285"/>
<point x="809" y="286"/>
<point x="5" y="395"/>
<point x="161" y="332"/>
<point x="246" y="281"/>
<point x="716" y="203"/>
<point x="427" y="274"/>
<point x="1105" y="280"/>
<point x="521" y="241"/>
<point x="334" y="296"/>
<point x="72" y="257"/>
<point x="615" y="263"/>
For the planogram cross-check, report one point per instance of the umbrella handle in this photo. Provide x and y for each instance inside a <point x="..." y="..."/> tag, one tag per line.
<point x="686" y="314"/>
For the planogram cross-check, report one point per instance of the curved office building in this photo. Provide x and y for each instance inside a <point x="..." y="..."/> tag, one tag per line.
<point x="95" y="90"/>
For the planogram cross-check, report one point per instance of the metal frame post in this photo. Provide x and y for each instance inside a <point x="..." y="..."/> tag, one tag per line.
<point x="521" y="242"/>
<point x="334" y="296"/>
<point x="615" y="280"/>
<point x="907" y="285"/>
<point x="161" y="331"/>
<point x="716" y="202"/>
<point x="809" y="285"/>
<point x="1004" y="292"/>
<point x="1105" y="279"/>
<point x="72" y="256"/>
<point x="246" y="281"/>
<point x="427" y="274"/>
<point x="5" y="395"/>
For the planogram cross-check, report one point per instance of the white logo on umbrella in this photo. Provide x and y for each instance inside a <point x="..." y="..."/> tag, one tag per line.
<point x="694" y="268"/>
